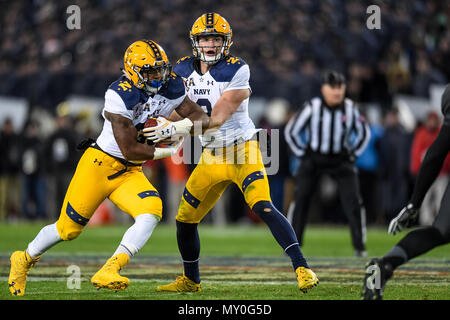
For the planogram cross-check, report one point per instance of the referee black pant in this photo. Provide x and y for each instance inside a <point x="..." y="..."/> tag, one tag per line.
<point x="344" y="172"/>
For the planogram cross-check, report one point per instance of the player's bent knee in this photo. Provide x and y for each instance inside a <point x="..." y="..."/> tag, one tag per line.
<point x="71" y="235"/>
<point x="156" y="207"/>
<point x="153" y="206"/>
<point x="68" y="233"/>
<point x="262" y="208"/>
<point x="67" y="229"/>
<point x="147" y="219"/>
<point x="188" y="214"/>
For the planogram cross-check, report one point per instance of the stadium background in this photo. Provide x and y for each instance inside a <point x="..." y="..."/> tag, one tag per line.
<point x="51" y="75"/>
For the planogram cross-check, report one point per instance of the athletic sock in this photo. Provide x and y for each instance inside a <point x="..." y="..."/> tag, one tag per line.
<point x="138" y="234"/>
<point x="396" y="257"/>
<point x="296" y="256"/>
<point x="282" y="232"/>
<point x="189" y="246"/>
<point x="45" y="239"/>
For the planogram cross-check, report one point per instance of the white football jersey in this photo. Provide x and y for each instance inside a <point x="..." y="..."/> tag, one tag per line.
<point x="231" y="73"/>
<point x="126" y="100"/>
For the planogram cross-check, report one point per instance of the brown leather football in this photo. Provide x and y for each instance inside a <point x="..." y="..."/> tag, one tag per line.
<point x="151" y="122"/>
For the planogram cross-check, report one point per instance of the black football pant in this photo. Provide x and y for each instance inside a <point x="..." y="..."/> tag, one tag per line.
<point x="442" y="220"/>
<point x="424" y="239"/>
<point x="345" y="174"/>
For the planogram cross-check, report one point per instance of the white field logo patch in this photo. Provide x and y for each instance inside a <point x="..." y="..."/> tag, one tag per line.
<point x="74" y="280"/>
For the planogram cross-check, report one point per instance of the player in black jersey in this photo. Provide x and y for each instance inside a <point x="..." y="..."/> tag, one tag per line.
<point x="421" y="240"/>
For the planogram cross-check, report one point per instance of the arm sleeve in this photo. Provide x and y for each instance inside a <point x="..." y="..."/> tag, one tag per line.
<point x="431" y="165"/>
<point x="240" y="80"/>
<point x="114" y="104"/>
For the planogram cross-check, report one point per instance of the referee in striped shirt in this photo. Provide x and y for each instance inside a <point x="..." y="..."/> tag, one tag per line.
<point x="328" y="134"/>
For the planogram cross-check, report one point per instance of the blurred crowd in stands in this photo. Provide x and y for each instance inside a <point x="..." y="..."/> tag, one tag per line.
<point x="287" y="43"/>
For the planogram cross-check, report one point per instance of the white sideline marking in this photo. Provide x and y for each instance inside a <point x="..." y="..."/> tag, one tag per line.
<point x="229" y="283"/>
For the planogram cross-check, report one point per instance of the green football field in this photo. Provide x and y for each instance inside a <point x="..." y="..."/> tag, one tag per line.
<point x="237" y="263"/>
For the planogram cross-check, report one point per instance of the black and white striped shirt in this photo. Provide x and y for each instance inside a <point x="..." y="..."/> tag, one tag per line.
<point x="327" y="130"/>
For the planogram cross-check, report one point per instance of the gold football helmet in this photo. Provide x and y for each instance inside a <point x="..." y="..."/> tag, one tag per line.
<point x="211" y="24"/>
<point x="147" y="66"/>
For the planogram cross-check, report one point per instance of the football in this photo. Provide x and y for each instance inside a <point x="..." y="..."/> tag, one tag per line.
<point x="152" y="122"/>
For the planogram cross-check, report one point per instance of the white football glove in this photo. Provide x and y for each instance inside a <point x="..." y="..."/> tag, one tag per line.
<point x="162" y="131"/>
<point x="405" y="219"/>
<point x="168" y="151"/>
<point x="167" y="129"/>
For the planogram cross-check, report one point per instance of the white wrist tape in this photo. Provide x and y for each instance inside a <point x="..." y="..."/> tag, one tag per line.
<point x="183" y="127"/>
<point x="162" y="153"/>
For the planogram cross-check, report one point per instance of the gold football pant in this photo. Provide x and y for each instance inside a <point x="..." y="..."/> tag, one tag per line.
<point x="241" y="164"/>
<point x="90" y="186"/>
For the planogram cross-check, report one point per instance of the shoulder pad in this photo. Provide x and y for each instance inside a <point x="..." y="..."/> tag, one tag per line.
<point x="184" y="66"/>
<point x="174" y="88"/>
<point x="225" y="70"/>
<point x="130" y="94"/>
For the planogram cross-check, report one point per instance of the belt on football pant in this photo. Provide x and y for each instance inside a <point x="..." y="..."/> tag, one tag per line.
<point x="235" y="143"/>
<point x="255" y="137"/>
<point x="91" y="143"/>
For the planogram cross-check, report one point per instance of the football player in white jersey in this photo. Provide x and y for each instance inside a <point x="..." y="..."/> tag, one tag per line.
<point x="219" y="83"/>
<point x="111" y="166"/>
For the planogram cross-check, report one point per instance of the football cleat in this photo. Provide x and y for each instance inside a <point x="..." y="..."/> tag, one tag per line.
<point x="181" y="284"/>
<point x="376" y="275"/>
<point x="108" y="276"/>
<point x="306" y="279"/>
<point x="21" y="263"/>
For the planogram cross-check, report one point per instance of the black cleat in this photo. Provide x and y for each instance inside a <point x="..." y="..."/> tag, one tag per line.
<point x="377" y="273"/>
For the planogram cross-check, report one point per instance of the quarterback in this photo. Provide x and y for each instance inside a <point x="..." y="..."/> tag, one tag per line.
<point x="111" y="165"/>
<point x="219" y="83"/>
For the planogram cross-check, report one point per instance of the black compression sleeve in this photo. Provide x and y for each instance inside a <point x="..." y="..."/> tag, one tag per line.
<point x="431" y="165"/>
